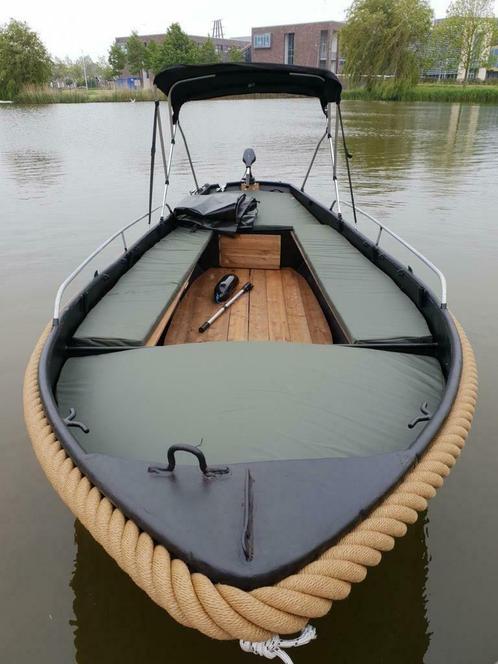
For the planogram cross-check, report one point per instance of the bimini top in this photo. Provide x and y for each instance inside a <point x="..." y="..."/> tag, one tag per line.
<point x="184" y="83"/>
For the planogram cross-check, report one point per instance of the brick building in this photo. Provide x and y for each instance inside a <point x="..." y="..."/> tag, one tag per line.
<point x="307" y="44"/>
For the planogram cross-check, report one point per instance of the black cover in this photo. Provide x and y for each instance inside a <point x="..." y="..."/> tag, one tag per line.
<point x="224" y="79"/>
<point x="225" y="213"/>
<point x="300" y="508"/>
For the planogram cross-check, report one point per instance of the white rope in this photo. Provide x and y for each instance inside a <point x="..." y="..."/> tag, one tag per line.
<point x="274" y="647"/>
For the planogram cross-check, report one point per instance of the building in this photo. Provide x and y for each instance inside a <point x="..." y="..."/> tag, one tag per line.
<point x="221" y="45"/>
<point x="307" y="44"/>
<point x="447" y="61"/>
<point x="492" y="72"/>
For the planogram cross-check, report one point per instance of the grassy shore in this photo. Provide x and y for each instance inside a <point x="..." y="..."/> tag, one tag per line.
<point x="34" y="95"/>
<point x="442" y="92"/>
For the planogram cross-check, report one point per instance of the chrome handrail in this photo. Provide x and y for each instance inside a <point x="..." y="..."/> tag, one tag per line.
<point x="426" y="261"/>
<point x="88" y="259"/>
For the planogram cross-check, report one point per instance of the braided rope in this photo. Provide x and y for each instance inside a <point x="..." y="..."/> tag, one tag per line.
<point x="225" y="612"/>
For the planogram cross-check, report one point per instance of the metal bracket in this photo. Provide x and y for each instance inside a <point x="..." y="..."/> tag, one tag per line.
<point x="425" y="417"/>
<point x="69" y="421"/>
<point x="207" y="471"/>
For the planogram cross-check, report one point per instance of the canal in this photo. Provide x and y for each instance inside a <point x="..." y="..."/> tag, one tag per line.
<point x="72" y="174"/>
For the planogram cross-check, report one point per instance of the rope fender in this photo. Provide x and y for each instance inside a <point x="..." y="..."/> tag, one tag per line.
<point x="226" y="612"/>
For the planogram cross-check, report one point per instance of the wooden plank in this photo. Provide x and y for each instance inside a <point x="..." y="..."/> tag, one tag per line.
<point x="196" y="306"/>
<point x="258" y="307"/>
<point x="205" y="307"/>
<point x="238" y="327"/>
<point x="281" y="307"/>
<point x="250" y="251"/>
<point x="159" y="329"/>
<point x="277" y="313"/>
<point x="317" y="323"/>
<point x="296" y="314"/>
<point x="177" y="332"/>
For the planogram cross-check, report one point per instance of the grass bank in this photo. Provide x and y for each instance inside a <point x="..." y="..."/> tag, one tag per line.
<point x="33" y="95"/>
<point x="470" y="94"/>
<point x="442" y="92"/>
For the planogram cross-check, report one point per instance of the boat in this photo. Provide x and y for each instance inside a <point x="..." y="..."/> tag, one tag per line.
<point x="246" y="460"/>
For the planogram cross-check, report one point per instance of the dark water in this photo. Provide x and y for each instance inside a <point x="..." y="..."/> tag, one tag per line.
<point x="69" y="176"/>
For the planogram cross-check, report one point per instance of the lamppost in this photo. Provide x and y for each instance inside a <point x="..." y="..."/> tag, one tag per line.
<point x="84" y="69"/>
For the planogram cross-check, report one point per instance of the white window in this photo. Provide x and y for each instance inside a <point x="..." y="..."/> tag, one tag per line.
<point x="333" y="44"/>
<point x="324" y="37"/>
<point x="289" y="48"/>
<point x="262" y="40"/>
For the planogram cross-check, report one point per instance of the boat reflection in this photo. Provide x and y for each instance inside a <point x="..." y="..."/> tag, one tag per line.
<point x="383" y="620"/>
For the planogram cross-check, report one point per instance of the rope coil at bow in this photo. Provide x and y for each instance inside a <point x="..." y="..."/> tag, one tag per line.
<point x="275" y="647"/>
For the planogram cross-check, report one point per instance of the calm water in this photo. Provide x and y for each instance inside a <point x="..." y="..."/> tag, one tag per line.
<point x="69" y="176"/>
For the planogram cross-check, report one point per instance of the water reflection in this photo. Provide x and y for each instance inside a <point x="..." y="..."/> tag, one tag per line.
<point x="385" y="141"/>
<point x="33" y="170"/>
<point x="114" y="621"/>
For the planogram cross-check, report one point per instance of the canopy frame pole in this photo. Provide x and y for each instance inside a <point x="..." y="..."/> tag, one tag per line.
<point x="169" y="163"/>
<point x="336" y="141"/>
<point x="152" y="161"/>
<point x="333" y="154"/>
<point x="168" y="171"/>
<point x="313" y="159"/>
<point x="347" y="156"/>
<point x="188" y="155"/>
<point x="161" y="139"/>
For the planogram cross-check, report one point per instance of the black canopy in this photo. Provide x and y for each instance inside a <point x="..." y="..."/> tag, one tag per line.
<point x="223" y="79"/>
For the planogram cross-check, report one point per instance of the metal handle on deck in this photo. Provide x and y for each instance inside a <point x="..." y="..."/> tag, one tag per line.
<point x="206" y="470"/>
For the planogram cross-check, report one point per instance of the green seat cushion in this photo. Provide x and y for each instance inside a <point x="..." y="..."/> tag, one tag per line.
<point x="249" y="401"/>
<point x="367" y="302"/>
<point x="281" y="209"/>
<point x="128" y="313"/>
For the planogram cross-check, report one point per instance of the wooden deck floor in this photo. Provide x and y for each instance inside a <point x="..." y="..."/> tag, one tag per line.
<point x="281" y="307"/>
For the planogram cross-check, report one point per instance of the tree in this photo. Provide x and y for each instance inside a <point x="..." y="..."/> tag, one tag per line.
<point x="177" y="48"/>
<point x="135" y="53"/>
<point x="469" y="28"/>
<point x="103" y="70"/>
<point x="235" y="55"/>
<point x="152" y="58"/>
<point x="23" y="59"/>
<point x="116" y="59"/>
<point x="206" y="53"/>
<point x="386" y="38"/>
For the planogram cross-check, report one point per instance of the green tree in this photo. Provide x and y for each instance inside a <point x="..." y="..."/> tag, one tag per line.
<point x="177" y="48"/>
<point x="235" y="55"/>
<point x="441" y="53"/>
<point x="23" y="59"/>
<point x="386" y="38"/>
<point x="206" y="53"/>
<point x="152" y="58"/>
<point x="116" y="59"/>
<point x="135" y="53"/>
<point x="103" y="70"/>
<point x="468" y="29"/>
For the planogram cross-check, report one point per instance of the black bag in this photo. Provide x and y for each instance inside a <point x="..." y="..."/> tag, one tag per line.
<point x="223" y="212"/>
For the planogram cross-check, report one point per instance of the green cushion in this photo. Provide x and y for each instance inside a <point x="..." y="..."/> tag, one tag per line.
<point x="128" y="313"/>
<point x="249" y="401"/>
<point x="366" y="301"/>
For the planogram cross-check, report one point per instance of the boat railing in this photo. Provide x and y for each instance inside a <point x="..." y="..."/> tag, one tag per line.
<point x="119" y="233"/>
<point x="382" y="229"/>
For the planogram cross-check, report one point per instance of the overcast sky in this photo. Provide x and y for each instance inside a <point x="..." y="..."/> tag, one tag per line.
<point x="90" y="26"/>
